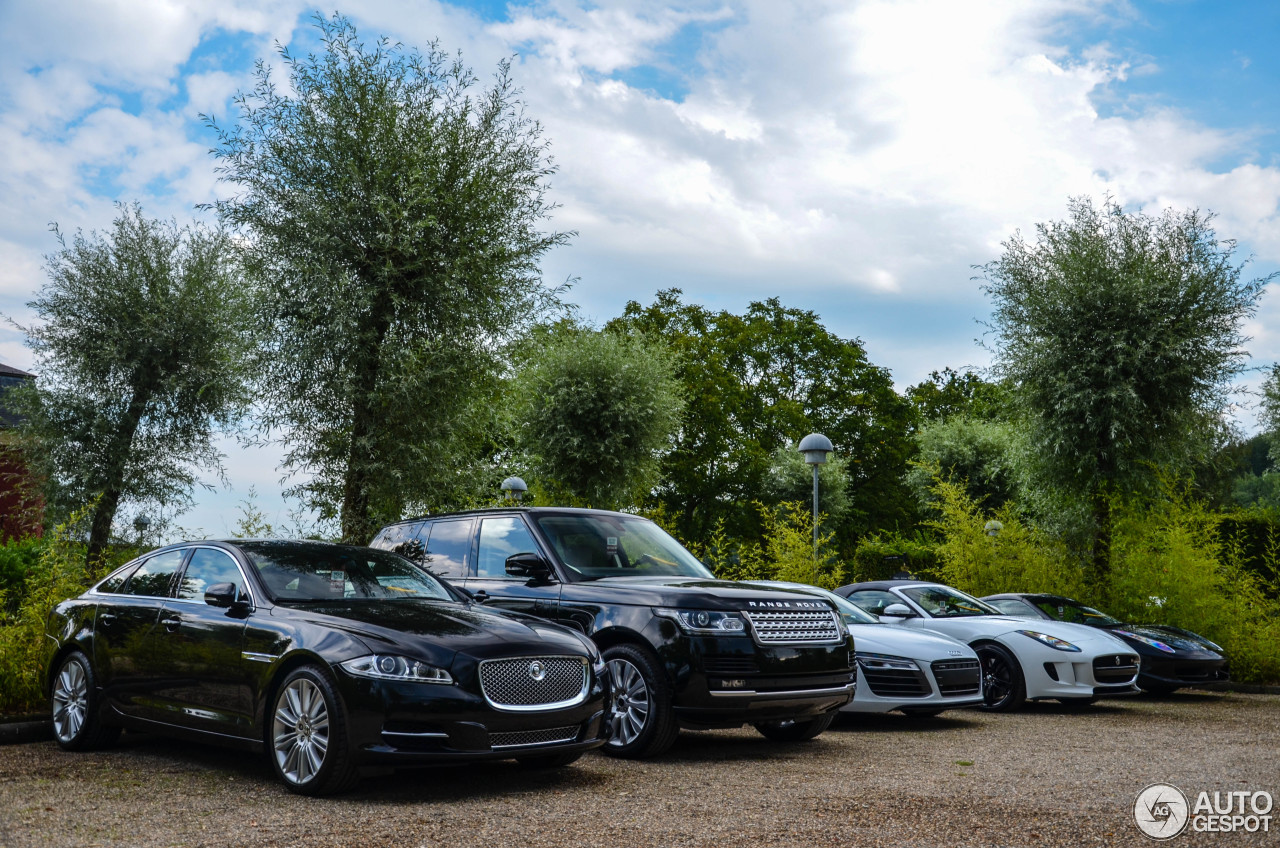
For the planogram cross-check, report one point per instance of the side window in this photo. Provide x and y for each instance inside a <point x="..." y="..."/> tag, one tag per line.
<point x="206" y="568"/>
<point x="1064" y="613"/>
<point x="448" y="547"/>
<point x="115" y="582"/>
<point x="396" y="534"/>
<point x="153" y="577"/>
<point x="499" y="539"/>
<point x="873" y="600"/>
<point x="1014" y="606"/>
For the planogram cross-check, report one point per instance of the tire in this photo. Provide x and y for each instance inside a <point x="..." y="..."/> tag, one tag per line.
<point x="76" y="707"/>
<point x="549" y="761"/>
<point x="1003" y="686"/>
<point x="641" y="721"/>
<point x="795" y="731"/>
<point x="306" y="735"/>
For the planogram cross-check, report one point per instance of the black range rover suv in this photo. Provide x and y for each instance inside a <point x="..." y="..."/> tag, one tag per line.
<point x="683" y="649"/>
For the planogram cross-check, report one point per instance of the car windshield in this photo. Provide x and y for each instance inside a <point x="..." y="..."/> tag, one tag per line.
<point x="593" y="545"/>
<point x="1065" y="609"/>
<point x="320" y="572"/>
<point x="945" y="602"/>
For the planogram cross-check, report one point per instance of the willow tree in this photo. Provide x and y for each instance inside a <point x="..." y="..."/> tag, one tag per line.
<point x="142" y="351"/>
<point x="390" y="210"/>
<point x="1121" y="333"/>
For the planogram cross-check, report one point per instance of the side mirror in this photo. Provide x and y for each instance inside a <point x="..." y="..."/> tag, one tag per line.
<point x="223" y="595"/>
<point x="528" y="565"/>
<point x="897" y="611"/>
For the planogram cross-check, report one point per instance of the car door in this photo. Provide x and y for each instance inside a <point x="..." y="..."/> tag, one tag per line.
<point x="204" y="684"/>
<point x="499" y="537"/>
<point x="125" y="652"/>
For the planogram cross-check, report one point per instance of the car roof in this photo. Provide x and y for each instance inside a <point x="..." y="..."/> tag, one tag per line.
<point x="529" y="510"/>
<point x="883" y="585"/>
<point x="1044" y="596"/>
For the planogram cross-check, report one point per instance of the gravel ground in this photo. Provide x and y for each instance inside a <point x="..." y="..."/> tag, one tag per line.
<point x="1045" y="776"/>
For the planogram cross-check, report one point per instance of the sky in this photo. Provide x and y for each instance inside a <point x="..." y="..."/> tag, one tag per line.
<point x="854" y="158"/>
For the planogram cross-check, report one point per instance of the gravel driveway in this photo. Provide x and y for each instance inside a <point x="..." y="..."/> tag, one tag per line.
<point x="1045" y="776"/>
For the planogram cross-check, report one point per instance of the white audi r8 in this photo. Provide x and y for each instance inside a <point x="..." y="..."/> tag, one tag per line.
<point x="1021" y="659"/>
<point x="920" y="674"/>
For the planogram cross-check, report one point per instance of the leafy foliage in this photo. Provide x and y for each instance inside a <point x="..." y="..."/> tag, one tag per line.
<point x="391" y="218"/>
<point x="1121" y="333"/>
<point x="882" y="555"/>
<point x="980" y="455"/>
<point x="142" y="350"/>
<point x="598" y="410"/>
<point x="790" y="480"/>
<point x="949" y="393"/>
<point x="786" y="552"/>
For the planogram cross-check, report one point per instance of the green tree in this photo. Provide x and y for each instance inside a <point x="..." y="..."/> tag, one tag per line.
<point x="597" y="412"/>
<point x="982" y="456"/>
<point x="790" y="481"/>
<point x="756" y="382"/>
<point x="948" y="393"/>
<point x="1121" y="333"/>
<point x="391" y="218"/>
<point x="142" y="350"/>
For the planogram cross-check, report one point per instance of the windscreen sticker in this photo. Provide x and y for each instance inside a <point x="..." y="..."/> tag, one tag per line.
<point x="611" y="545"/>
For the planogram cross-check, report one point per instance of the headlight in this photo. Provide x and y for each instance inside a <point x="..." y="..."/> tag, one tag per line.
<point x="1051" y="641"/>
<point x="882" y="661"/>
<point x="1146" y="640"/>
<point x="388" y="667"/>
<point x="706" y="621"/>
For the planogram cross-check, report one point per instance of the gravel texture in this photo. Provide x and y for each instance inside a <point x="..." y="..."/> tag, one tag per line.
<point x="1044" y="776"/>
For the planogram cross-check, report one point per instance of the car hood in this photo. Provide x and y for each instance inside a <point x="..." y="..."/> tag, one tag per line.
<point x="437" y="630"/>
<point x="913" y="644"/>
<point x="692" y="593"/>
<point x="1182" y="641"/>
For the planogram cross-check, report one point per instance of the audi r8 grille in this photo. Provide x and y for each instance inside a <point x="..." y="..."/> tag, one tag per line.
<point x="957" y="677"/>
<point x="534" y="682"/>
<point x="795" y="627"/>
<point x="1115" y="668"/>
<point x="519" y="738"/>
<point x="896" y="682"/>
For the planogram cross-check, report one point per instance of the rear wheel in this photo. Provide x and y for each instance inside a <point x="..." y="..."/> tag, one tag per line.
<point x="1003" y="687"/>
<point x="308" y="735"/>
<point x="641" y="721"/>
<point x="77" y="724"/>
<point x="800" y="730"/>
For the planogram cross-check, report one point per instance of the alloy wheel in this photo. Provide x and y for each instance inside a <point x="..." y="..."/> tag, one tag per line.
<point x="629" y="703"/>
<point x="997" y="678"/>
<point x="70" y="701"/>
<point x="301" y="731"/>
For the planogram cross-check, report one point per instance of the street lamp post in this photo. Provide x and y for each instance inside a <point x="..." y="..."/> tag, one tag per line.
<point x="815" y="448"/>
<point x="514" y="487"/>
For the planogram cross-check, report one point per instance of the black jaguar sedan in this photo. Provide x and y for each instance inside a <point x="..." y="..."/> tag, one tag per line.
<point x="330" y="658"/>
<point x="1172" y="658"/>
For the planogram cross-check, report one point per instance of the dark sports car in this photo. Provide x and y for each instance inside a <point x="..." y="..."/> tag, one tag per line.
<point x="1171" y="657"/>
<point x="327" y="657"/>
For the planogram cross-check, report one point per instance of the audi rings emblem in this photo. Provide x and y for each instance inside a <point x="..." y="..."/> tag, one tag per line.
<point x="537" y="670"/>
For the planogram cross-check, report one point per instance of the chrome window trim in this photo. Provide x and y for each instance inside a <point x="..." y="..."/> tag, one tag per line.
<point x="248" y="584"/>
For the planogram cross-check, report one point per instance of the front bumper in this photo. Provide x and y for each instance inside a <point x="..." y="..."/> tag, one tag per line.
<point x="927" y="694"/>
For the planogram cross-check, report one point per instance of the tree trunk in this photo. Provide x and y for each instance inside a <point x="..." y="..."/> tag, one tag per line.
<point x="358" y="525"/>
<point x="121" y="446"/>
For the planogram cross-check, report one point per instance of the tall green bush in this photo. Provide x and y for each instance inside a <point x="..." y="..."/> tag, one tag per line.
<point x="18" y="558"/>
<point x="786" y="553"/>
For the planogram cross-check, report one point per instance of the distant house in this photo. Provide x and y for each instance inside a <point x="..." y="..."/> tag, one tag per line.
<point x="21" y="509"/>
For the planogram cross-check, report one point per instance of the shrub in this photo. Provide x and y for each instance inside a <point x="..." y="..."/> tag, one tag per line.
<point x="786" y="553"/>
<point x="883" y="555"/>
<point x="18" y="558"/>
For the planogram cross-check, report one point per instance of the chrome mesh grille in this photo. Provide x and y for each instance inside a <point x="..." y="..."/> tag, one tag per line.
<point x="514" y="684"/>
<point x="546" y="736"/>
<point x="795" y="627"/>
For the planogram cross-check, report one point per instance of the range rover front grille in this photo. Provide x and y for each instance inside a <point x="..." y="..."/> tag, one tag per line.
<point x="796" y="627"/>
<point x="534" y="683"/>
<point x="1115" y="668"/>
<point x="520" y="738"/>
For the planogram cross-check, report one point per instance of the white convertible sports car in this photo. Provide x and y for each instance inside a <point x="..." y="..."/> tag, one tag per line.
<point x="919" y="673"/>
<point x="1020" y="659"/>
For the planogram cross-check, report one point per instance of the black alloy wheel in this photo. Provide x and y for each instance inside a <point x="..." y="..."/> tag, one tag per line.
<point x="1003" y="687"/>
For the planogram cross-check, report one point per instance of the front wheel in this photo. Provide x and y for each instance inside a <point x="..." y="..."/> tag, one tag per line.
<point x="1003" y="687"/>
<point x="308" y="735"/>
<point x="800" y="730"/>
<point x="641" y="721"/>
<point x="77" y="724"/>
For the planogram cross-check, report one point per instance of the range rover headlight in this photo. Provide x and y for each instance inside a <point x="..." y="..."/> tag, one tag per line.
<point x="390" y="667"/>
<point x="883" y="661"/>
<point x="713" y="622"/>
<point x="1052" y="641"/>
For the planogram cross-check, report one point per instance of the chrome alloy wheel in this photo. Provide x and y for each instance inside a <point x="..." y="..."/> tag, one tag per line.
<point x="70" y="701"/>
<point x="300" y="731"/>
<point x="629" y="703"/>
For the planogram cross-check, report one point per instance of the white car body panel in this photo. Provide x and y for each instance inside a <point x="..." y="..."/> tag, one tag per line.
<point x="925" y="649"/>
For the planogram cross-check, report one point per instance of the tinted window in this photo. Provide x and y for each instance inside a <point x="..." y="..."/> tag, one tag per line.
<point x="317" y="572"/>
<point x="116" y="581"/>
<point x="448" y="547"/>
<point x="155" y="574"/>
<point x="1077" y="613"/>
<point x="499" y="539"/>
<point x="945" y="602"/>
<point x="874" y="600"/>
<point x="1014" y="606"/>
<point x="593" y="546"/>
<point x="396" y="534"/>
<point x="207" y="568"/>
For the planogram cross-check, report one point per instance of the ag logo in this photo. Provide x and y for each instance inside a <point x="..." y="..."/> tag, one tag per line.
<point x="1161" y="811"/>
<point x="538" y="671"/>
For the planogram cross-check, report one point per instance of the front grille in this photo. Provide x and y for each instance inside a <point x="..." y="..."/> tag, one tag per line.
<point x="730" y="665"/>
<point x="520" y="738"/>
<point x="512" y="684"/>
<point x="1115" y="668"/>
<point x="957" y="677"/>
<point x="896" y="682"/>
<point x="798" y="627"/>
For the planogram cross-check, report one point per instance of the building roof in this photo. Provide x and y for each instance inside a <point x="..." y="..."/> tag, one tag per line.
<point x="10" y="371"/>
<point x="10" y="377"/>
